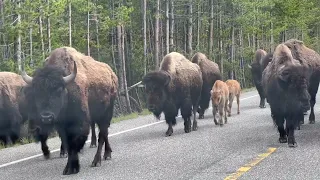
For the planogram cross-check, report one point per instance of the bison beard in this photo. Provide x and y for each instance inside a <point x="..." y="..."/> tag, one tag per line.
<point x="177" y="85"/>
<point x="257" y="67"/>
<point x="285" y="84"/>
<point x="70" y="104"/>
<point x="210" y="73"/>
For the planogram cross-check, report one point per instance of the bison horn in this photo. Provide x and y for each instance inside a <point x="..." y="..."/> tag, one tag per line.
<point x="26" y="77"/>
<point x="249" y="66"/>
<point x="72" y="76"/>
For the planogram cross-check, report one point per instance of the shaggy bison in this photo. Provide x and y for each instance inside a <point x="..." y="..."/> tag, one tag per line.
<point x="210" y="73"/>
<point x="13" y="109"/>
<point x="220" y="98"/>
<point x="176" y="85"/>
<point x="261" y="61"/>
<point x="234" y="91"/>
<point x="70" y="92"/>
<point x="312" y="59"/>
<point x="285" y="83"/>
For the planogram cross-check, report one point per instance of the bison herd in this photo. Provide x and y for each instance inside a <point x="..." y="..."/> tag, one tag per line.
<point x="72" y="92"/>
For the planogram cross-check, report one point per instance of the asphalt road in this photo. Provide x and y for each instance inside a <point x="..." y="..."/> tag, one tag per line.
<point x="141" y="151"/>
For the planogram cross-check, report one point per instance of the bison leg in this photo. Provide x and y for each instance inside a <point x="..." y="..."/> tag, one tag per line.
<point x="97" y="158"/>
<point x="76" y="142"/>
<point x="238" y="102"/>
<point x="93" y="135"/>
<point x="231" y="97"/>
<point x="313" y="89"/>
<point x="44" y="147"/>
<point x="221" y="109"/>
<point x="195" y="123"/>
<point x="214" y="112"/>
<point x="186" y="110"/>
<point x="291" y="123"/>
<point x="261" y="94"/>
<point x="170" y="120"/>
<point x="107" y="149"/>
<point x="201" y="113"/>
<point x="279" y="120"/>
<point x="226" y="109"/>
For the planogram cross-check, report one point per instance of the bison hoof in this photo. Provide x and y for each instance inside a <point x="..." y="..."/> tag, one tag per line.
<point x="195" y="126"/>
<point x="169" y="132"/>
<point x="292" y="142"/>
<point x="221" y="124"/>
<point x="238" y="112"/>
<point x="187" y="129"/>
<point x="63" y="155"/>
<point x="201" y="116"/>
<point x="262" y="106"/>
<point x="283" y="140"/>
<point x="107" y="155"/>
<point x="312" y="121"/>
<point x="93" y="145"/>
<point x="46" y="155"/>
<point x="96" y="161"/>
<point x="72" y="168"/>
<point x="305" y="113"/>
<point x="229" y="115"/>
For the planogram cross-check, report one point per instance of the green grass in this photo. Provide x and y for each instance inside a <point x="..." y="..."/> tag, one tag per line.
<point x="130" y="116"/>
<point x="248" y="89"/>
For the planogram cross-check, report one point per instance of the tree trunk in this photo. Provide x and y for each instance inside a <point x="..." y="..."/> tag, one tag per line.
<point x="167" y="27"/>
<point x="156" y="37"/>
<point x="144" y="21"/>
<point x="41" y="33"/>
<point x="171" y="25"/>
<point x="19" y="40"/>
<point x="88" y="30"/>
<point x="31" y="48"/>
<point x="70" y="25"/>
<point x="49" y="27"/>
<point x="189" y="33"/>
<point x="210" y="48"/>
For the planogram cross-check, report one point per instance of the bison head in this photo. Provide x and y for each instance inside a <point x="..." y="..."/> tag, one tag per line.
<point x="216" y="97"/>
<point x="156" y="84"/>
<point x="47" y="91"/>
<point x="293" y="77"/>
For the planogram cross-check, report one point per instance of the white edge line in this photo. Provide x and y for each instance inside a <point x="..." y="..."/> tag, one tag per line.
<point x="114" y="134"/>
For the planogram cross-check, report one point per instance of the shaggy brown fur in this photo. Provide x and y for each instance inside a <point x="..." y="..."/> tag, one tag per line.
<point x="220" y="98"/>
<point x="234" y="90"/>
<point x="306" y="55"/>
<point x="285" y="83"/>
<point x="210" y="73"/>
<point x="90" y="99"/>
<point x="13" y="111"/>
<point x="177" y="85"/>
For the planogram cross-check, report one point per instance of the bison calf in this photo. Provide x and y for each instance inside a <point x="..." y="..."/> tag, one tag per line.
<point x="234" y="91"/>
<point x="285" y="83"/>
<point x="220" y="98"/>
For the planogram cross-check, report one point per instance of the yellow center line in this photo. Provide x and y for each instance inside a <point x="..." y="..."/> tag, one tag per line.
<point x="251" y="164"/>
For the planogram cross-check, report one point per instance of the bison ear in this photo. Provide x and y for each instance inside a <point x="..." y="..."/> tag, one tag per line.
<point x="168" y="79"/>
<point x="211" y="91"/>
<point x="284" y="75"/>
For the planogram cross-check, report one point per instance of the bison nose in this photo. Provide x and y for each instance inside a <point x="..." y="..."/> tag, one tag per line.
<point x="47" y="117"/>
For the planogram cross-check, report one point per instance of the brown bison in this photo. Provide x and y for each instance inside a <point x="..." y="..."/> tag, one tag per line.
<point x="176" y="85"/>
<point x="210" y="73"/>
<point x="234" y="91"/>
<point x="285" y="83"/>
<point x="261" y="61"/>
<point x="312" y="59"/>
<point x="13" y="109"/>
<point x="69" y="93"/>
<point x="220" y="97"/>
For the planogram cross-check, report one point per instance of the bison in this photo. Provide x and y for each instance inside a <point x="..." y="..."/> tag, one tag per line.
<point x="312" y="59"/>
<point x="176" y="85"/>
<point x="13" y="109"/>
<point x="234" y="91"/>
<point x="261" y="61"/>
<point x="210" y="73"/>
<point x="285" y="83"/>
<point x="220" y="98"/>
<point x="69" y="93"/>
